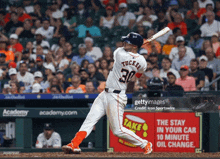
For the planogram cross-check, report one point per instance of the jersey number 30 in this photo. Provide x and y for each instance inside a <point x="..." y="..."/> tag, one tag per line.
<point x="126" y="75"/>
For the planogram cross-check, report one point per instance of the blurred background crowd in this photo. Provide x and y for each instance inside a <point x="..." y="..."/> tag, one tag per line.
<point x="66" y="46"/>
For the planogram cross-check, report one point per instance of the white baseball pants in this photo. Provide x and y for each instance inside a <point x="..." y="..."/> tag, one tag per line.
<point x="112" y="105"/>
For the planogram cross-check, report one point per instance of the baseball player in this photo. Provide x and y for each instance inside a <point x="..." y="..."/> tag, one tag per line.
<point x="113" y="99"/>
<point x="49" y="138"/>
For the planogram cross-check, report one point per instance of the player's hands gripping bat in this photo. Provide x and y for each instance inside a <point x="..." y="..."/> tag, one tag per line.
<point x="157" y="35"/>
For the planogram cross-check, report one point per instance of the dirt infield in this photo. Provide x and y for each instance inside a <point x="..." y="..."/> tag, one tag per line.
<point x="108" y="155"/>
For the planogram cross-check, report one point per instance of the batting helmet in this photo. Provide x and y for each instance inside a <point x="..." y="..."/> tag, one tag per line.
<point x="133" y="38"/>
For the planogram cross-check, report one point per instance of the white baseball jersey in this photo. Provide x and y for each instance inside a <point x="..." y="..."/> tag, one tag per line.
<point x="126" y="65"/>
<point x="27" y="79"/>
<point x="53" y="141"/>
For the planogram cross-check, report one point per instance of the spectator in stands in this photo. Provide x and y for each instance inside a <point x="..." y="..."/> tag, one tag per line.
<point x="177" y="32"/>
<point x="14" y="88"/>
<point x="69" y="20"/>
<point x="61" y="78"/>
<point x="94" y="52"/>
<point x="96" y="10"/>
<point x="215" y="42"/>
<point x="62" y="6"/>
<point x="39" y="41"/>
<point x="25" y="31"/>
<point x="103" y="65"/>
<point x="188" y="83"/>
<point x="148" y="72"/>
<point x="60" y="30"/>
<point x="203" y="3"/>
<point x="108" y="20"/>
<point x="15" y="46"/>
<point x="25" y="57"/>
<point x="182" y="60"/>
<point x="180" y="41"/>
<point x="39" y="51"/>
<point x="22" y="16"/>
<point x="49" y="60"/>
<point x="170" y="14"/>
<point x="12" y="72"/>
<point x="156" y="73"/>
<point x="36" y="14"/>
<point x="107" y="54"/>
<point x="144" y="53"/>
<point x="55" y="89"/>
<point x="206" y="44"/>
<point x="203" y="61"/>
<point x="28" y="7"/>
<point x="141" y="30"/>
<point x="170" y="43"/>
<point x="143" y="82"/>
<point x="217" y="9"/>
<point x="38" y="78"/>
<point x="203" y="19"/>
<point x="39" y="64"/>
<point x="2" y="21"/>
<point x="37" y="24"/>
<point x="195" y="40"/>
<point x="88" y="30"/>
<point x="24" y="76"/>
<point x="196" y="12"/>
<point x="76" y="86"/>
<point x="56" y="12"/>
<point x="147" y="18"/>
<point x="55" y="81"/>
<point x="49" y="70"/>
<point x="166" y="67"/>
<point x="82" y="13"/>
<point x="94" y="75"/>
<point x="13" y="23"/>
<point x="90" y="89"/>
<point x="36" y="88"/>
<point x="68" y="51"/>
<point x="153" y="57"/>
<point x="3" y="64"/>
<point x="152" y="46"/>
<point x="197" y="74"/>
<point x="61" y="44"/>
<point x="125" y="18"/>
<point x="82" y="51"/>
<point x="46" y="30"/>
<point x="172" y="88"/>
<point x="178" y="22"/>
<point x="49" y="138"/>
<point x="61" y="62"/>
<point x="161" y="21"/>
<point x="85" y="63"/>
<point x="84" y="75"/>
<point x="29" y="47"/>
<point x="9" y="54"/>
<point x="74" y="71"/>
<point x="12" y="8"/>
<point x="211" y="26"/>
<point x="213" y="63"/>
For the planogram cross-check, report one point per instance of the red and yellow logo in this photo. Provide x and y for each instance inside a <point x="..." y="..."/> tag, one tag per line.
<point x="135" y="124"/>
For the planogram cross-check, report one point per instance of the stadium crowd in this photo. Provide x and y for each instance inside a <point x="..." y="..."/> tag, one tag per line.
<point x="66" y="46"/>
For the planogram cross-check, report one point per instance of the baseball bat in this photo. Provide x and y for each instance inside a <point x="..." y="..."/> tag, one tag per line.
<point x="158" y="34"/>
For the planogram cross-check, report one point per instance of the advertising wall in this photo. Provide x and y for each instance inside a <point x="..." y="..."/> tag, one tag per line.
<point x="168" y="132"/>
